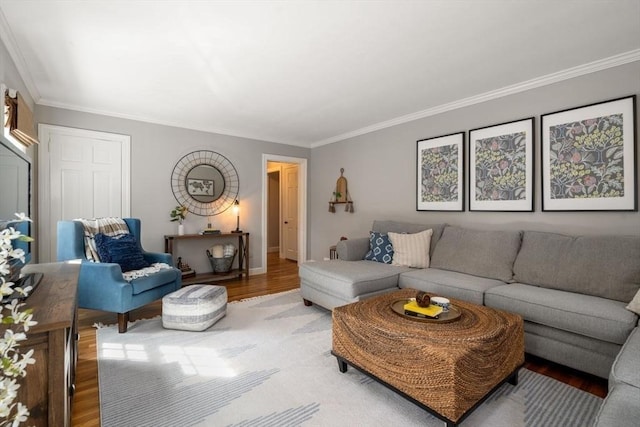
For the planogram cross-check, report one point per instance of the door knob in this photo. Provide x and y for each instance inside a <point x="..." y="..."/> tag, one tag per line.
<point x="286" y="222"/>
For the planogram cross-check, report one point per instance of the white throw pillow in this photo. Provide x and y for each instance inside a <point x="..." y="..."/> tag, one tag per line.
<point x="634" y="305"/>
<point x="411" y="250"/>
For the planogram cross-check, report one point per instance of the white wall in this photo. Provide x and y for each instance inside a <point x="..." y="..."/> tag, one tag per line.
<point x="155" y="149"/>
<point x="381" y="167"/>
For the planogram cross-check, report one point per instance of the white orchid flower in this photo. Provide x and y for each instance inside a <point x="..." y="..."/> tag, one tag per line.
<point x="22" y="217"/>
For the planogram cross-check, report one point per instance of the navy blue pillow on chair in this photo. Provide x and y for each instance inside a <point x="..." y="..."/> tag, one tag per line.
<point x="122" y="249"/>
<point x="380" y="248"/>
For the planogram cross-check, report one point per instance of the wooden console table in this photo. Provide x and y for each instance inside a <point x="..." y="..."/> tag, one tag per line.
<point x="48" y="388"/>
<point x="243" y="255"/>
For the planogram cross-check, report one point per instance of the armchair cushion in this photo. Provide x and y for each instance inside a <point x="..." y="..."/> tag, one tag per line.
<point x="122" y="249"/>
<point x="155" y="280"/>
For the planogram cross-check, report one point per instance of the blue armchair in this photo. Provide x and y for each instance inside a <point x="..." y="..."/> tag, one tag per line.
<point x="101" y="285"/>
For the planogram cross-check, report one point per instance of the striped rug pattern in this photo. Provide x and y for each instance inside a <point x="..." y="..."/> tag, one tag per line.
<point x="268" y="364"/>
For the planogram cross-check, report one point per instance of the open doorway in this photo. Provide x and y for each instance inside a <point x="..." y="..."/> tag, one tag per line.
<point x="284" y="210"/>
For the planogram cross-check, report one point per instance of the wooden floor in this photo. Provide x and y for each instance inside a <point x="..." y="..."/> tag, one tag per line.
<point x="282" y="276"/>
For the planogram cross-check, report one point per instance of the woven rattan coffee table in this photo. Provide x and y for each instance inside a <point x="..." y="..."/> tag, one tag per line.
<point x="447" y="369"/>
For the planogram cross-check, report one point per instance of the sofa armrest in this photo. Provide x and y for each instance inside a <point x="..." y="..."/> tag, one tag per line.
<point x="353" y="249"/>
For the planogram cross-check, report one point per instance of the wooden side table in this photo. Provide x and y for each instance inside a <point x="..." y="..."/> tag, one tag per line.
<point x="243" y="255"/>
<point x="49" y="386"/>
<point x="333" y="253"/>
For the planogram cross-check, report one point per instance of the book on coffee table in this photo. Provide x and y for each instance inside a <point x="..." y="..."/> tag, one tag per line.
<point x="412" y="308"/>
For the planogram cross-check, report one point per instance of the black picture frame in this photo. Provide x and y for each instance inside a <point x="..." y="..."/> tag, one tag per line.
<point x="589" y="157"/>
<point x="501" y="167"/>
<point x="440" y="173"/>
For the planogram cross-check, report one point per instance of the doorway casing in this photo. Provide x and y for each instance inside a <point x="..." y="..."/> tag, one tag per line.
<point x="302" y="204"/>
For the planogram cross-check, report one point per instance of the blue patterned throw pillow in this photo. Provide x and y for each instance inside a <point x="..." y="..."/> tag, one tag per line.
<point x="380" y="248"/>
<point x="122" y="249"/>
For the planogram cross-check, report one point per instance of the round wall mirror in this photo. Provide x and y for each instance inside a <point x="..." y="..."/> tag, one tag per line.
<point x="205" y="182"/>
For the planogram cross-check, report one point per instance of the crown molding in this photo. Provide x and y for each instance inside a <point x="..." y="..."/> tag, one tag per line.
<point x="139" y="118"/>
<point x="569" y="73"/>
<point x="10" y="43"/>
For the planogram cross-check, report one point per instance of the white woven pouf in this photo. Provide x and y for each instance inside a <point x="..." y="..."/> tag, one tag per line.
<point x="194" y="307"/>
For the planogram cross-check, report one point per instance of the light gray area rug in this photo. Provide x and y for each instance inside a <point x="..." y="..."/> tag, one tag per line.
<point x="268" y="363"/>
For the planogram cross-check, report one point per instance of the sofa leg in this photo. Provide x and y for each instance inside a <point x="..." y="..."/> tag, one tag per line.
<point x="123" y="320"/>
<point x="307" y="302"/>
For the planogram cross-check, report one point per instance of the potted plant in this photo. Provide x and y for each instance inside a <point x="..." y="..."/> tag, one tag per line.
<point x="179" y="213"/>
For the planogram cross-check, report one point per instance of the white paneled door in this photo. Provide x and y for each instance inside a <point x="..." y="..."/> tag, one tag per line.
<point x="82" y="174"/>
<point x="290" y="211"/>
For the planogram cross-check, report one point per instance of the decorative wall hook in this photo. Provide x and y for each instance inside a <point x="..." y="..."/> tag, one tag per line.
<point x="341" y="195"/>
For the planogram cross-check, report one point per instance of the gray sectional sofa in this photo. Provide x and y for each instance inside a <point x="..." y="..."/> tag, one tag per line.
<point x="572" y="291"/>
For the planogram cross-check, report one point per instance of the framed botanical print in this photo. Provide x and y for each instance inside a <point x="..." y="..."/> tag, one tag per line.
<point x="440" y="173"/>
<point x="588" y="158"/>
<point x="501" y="167"/>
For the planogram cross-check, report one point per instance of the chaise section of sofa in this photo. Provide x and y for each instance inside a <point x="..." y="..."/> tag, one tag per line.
<point x="351" y="278"/>
<point x="336" y="282"/>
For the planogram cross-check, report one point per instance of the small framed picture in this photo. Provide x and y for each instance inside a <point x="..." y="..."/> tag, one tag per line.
<point x="501" y="167"/>
<point x="589" y="158"/>
<point x="200" y="187"/>
<point x="440" y="173"/>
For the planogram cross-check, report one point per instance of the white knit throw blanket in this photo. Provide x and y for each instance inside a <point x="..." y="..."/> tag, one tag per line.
<point x="154" y="268"/>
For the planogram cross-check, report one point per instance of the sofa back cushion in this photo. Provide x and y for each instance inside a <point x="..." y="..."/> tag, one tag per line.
<point x="603" y="266"/>
<point x="405" y="227"/>
<point x="481" y="253"/>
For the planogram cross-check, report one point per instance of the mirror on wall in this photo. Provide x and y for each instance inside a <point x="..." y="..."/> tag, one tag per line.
<point x="205" y="182"/>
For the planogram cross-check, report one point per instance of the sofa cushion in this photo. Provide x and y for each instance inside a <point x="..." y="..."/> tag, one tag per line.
<point x="411" y="250"/>
<point x="449" y="284"/>
<point x="625" y="368"/>
<point x="380" y="248"/>
<point x="481" y="253"/>
<point x="587" y="315"/>
<point x="122" y="249"/>
<point x="349" y="279"/>
<point x="405" y="227"/>
<point x="604" y="266"/>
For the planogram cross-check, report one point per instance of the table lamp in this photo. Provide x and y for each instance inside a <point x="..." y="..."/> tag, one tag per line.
<point x="236" y="210"/>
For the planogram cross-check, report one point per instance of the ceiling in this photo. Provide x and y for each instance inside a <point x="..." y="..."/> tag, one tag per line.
<point x="305" y="73"/>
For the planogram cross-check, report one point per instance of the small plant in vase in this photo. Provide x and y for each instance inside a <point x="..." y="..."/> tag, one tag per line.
<point x="179" y="213"/>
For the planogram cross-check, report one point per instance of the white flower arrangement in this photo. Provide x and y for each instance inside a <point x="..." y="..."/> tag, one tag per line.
<point x="13" y="363"/>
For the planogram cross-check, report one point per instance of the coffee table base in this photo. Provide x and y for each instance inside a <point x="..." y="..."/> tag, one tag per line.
<point x="512" y="378"/>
